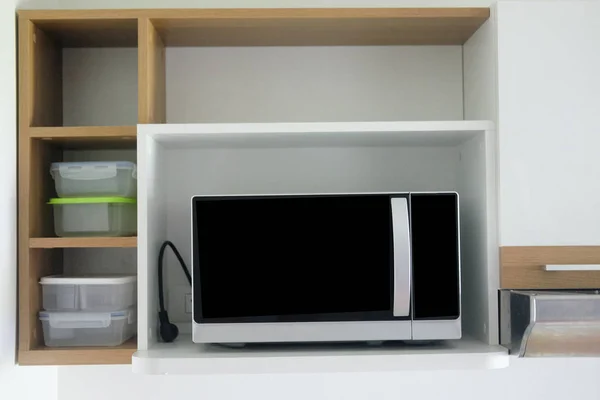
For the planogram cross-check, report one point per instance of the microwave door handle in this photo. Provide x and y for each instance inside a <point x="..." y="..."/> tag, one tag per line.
<point x="402" y="257"/>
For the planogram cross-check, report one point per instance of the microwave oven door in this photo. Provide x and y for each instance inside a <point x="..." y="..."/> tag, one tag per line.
<point x="435" y="258"/>
<point x="301" y="268"/>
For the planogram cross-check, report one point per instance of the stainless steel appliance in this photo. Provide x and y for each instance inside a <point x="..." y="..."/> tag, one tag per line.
<point x="550" y="323"/>
<point x="331" y="267"/>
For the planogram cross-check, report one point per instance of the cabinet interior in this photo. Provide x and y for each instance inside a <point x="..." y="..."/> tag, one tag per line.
<point x="66" y="57"/>
<point x="182" y="165"/>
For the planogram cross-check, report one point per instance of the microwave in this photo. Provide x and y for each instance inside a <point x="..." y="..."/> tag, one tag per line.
<point x="326" y="268"/>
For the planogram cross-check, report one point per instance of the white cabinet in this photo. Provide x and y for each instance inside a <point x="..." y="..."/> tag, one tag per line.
<point x="549" y="136"/>
<point x="178" y="161"/>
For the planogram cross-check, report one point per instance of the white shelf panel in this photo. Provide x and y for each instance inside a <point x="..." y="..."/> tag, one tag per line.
<point x="184" y="357"/>
<point x="321" y="134"/>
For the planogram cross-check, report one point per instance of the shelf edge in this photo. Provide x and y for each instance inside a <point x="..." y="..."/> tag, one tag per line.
<point x="74" y="356"/>
<point x="83" y="132"/>
<point x="97" y="242"/>
<point x="150" y="362"/>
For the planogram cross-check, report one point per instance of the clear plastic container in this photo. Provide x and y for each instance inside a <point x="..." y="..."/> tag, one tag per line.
<point x="106" y="178"/>
<point x="95" y="216"/>
<point x="88" y="293"/>
<point x="88" y="328"/>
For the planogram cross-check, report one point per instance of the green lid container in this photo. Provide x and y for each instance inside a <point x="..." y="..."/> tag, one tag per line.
<point x="94" y="216"/>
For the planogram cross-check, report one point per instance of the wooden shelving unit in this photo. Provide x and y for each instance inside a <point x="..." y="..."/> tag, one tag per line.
<point x="43" y="139"/>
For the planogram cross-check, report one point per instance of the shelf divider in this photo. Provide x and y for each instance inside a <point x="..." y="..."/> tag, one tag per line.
<point x="151" y="74"/>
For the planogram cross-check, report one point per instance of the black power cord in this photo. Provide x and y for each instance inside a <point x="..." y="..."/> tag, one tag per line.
<point x="168" y="331"/>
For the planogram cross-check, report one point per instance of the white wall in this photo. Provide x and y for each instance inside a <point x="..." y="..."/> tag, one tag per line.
<point x="525" y="379"/>
<point x="102" y="86"/>
<point x="561" y="49"/>
<point x="314" y="84"/>
<point x="270" y="84"/>
<point x="15" y="382"/>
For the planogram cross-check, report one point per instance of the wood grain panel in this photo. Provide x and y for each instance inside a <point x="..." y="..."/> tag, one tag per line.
<point x="79" y="355"/>
<point x="275" y="27"/>
<point x="42" y="262"/>
<point x="87" y="137"/>
<point x="35" y="218"/>
<point x="325" y="27"/>
<point x="151" y="75"/>
<point x="25" y="87"/>
<point x="523" y="267"/>
<point x="41" y="16"/>
<point x="25" y="74"/>
<point x="41" y="187"/>
<point x="47" y="96"/>
<point x="40" y="103"/>
<point x="82" y="242"/>
<point x="84" y="132"/>
<point x="90" y="32"/>
<point x="40" y="78"/>
<point x="255" y="13"/>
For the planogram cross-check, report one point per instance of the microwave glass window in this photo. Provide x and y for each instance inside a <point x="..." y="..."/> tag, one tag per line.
<point x="293" y="258"/>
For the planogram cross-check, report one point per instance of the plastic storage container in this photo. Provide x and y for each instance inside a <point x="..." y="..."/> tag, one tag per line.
<point x="95" y="216"/>
<point x="98" y="293"/>
<point x="106" y="178"/>
<point x="87" y="328"/>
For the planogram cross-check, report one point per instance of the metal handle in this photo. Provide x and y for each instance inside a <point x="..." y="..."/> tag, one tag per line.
<point x="402" y="260"/>
<point x="572" y="267"/>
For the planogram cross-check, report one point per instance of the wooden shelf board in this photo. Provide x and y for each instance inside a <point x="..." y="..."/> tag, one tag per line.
<point x="265" y="27"/>
<point x="322" y="27"/>
<point x="79" y="355"/>
<point x="92" y="33"/>
<point x="114" y="31"/>
<point x="41" y="16"/>
<point x="51" y="243"/>
<point x="84" y="132"/>
<point x="87" y="136"/>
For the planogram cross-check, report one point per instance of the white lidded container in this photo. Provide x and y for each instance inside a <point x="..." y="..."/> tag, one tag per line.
<point x="92" y="178"/>
<point x="94" y="216"/>
<point x="88" y="293"/>
<point x="88" y="328"/>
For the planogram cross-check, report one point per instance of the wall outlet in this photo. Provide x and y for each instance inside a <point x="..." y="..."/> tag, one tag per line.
<point x="188" y="303"/>
<point x="179" y="304"/>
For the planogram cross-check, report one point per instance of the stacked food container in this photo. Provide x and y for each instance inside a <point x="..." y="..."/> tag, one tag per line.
<point x="88" y="311"/>
<point x="95" y="199"/>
